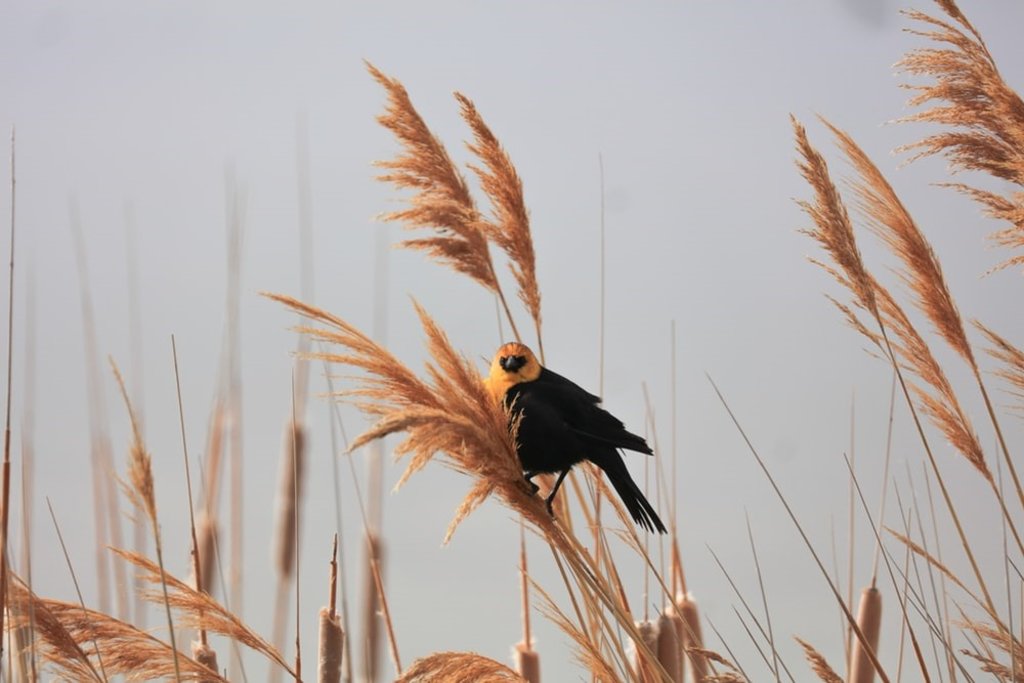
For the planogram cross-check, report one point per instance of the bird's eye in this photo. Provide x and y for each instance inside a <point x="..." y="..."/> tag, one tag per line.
<point x="520" y="361"/>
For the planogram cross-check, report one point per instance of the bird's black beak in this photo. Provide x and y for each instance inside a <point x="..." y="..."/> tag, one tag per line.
<point x="512" y="363"/>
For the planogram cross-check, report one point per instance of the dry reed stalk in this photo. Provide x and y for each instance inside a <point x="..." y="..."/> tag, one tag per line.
<point x="99" y="458"/>
<point x="371" y="608"/>
<point x="692" y="637"/>
<point x="458" y="666"/>
<point x="233" y="405"/>
<point x="982" y="115"/>
<point x="142" y="493"/>
<point x="206" y="533"/>
<point x="527" y="661"/>
<point x="207" y="656"/>
<point x="803" y="535"/>
<point x="285" y="550"/>
<point x="331" y="643"/>
<point x="289" y="492"/>
<point x="670" y="648"/>
<point x="819" y="664"/>
<point x="5" y="511"/>
<point x="199" y="610"/>
<point x="28" y="647"/>
<point x="869" y="620"/>
<point x="589" y="653"/>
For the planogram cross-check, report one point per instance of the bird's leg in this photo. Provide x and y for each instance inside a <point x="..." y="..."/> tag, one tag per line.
<point x="551" y="496"/>
<point x="528" y="476"/>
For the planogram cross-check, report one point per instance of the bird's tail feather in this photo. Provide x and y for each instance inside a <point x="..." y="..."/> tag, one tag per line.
<point x="632" y="497"/>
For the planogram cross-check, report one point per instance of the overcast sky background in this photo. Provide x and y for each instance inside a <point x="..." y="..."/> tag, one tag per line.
<point x="149" y="105"/>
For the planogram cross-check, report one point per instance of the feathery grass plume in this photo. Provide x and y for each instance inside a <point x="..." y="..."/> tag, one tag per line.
<point x="207" y="656"/>
<point x="983" y="116"/>
<point x="832" y="227"/>
<point x="65" y="627"/>
<point x="142" y="494"/>
<point x="712" y="656"/>
<point x="1012" y="358"/>
<point x="510" y="226"/>
<point x="198" y="610"/>
<point x="869" y="619"/>
<point x="670" y="649"/>
<point x="55" y="644"/>
<point x="892" y="223"/>
<point x="997" y="641"/>
<point x="443" y="201"/>
<point x="818" y="663"/>
<point x="922" y="272"/>
<point x="692" y="638"/>
<point x="937" y="399"/>
<point x="458" y="666"/>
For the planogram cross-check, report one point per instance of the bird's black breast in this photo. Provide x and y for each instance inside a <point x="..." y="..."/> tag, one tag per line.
<point x="562" y="423"/>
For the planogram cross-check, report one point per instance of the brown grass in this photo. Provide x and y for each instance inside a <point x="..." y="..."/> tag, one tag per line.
<point x="198" y="610"/>
<point x="510" y="227"/>
<point x="67" y="631"/>
<point x="981" y="115"/>
<point x="457" y="666"/>
<point x="442" y="201"/>
<point x="818" y="664"/>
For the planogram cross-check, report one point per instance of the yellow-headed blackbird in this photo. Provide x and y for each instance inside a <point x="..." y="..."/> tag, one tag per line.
<point x="563" y="424"/>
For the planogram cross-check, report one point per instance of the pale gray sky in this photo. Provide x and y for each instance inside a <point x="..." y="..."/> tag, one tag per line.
<point x="150" y="104"/>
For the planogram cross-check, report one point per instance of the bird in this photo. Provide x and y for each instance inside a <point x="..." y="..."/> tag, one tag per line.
<point x="562" y="424"/>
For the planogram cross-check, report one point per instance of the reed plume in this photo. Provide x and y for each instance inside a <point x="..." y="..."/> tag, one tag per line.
<point x="1012" y="360"/>
<point x="982" y="116"/>
<point x="509" y="228"/>
<point x="198" y="610"/>
<point x="442" y="201"/>
<point x="66" y="630"/>
<point x="819" y="664"/>
<point x="458" y="666"/>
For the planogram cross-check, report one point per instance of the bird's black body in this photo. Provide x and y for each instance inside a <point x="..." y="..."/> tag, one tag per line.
<point x="563" y="424"/>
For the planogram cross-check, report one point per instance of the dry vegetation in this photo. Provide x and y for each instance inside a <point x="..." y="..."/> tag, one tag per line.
<point x="444" y="413"/>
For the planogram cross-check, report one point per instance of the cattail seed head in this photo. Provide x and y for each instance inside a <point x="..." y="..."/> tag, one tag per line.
<point x="693" y="640"/>
<point x="331" y="647"/>
<point x="869" y="620"/>
<point x="670" y="649"/>
<point x="527" y="663"/>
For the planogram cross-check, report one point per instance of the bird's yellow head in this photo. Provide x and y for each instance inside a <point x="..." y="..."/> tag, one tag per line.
<point x="512" y="364"/>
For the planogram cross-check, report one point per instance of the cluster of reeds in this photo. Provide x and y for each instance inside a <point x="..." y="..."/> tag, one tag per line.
<point x="446" y="414"/>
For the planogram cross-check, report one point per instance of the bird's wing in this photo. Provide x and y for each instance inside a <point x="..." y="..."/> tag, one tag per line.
<point x="580" y="412"/>
<point x="554" y="379"/>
